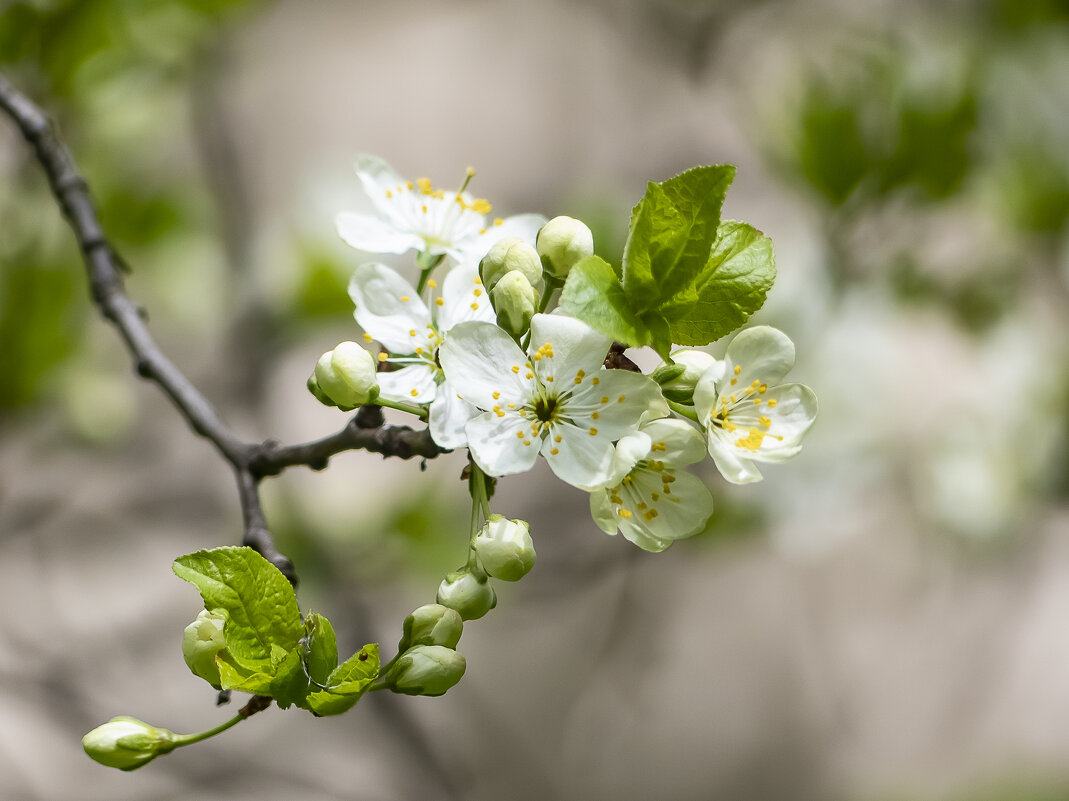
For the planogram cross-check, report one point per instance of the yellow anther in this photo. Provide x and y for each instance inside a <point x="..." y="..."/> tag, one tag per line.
<point x="424" y="185"/>
<point x="432" y="283"/>
<point x="511" y="405"/>
<point x="772" y="403"/>
<point x="593" y="432"/>
<point x="519" y="434"/>
<point x="557" y="437"/>
<point x="668" y="478"/>
<point x="527" y="442"/>
<point x="738" y="369"/>
<point x="604" y="398"/>
<point x="616" y="499"/>
<point x="411" y="332"/>
<point x="474" y="306"/>
<point x="595" y="381"/>
<point x="516" y="369"/>
<point x="383" y="356"/>
<point x="549" y="379"/>
<point x="734" y="381"/>
<point x="641" y="506"/>
<point x="652" y="513"/>
<point x="497" y="220"/>
<point x="496" y="395"/>
<point x="657" y="446"/>
<point x="414" y="392"/>
<point x="389" y="193"/>
<point x="483" y="231"/>
<point x="751" y="442"/>
<point x="763" y="389"/>
<point x="623" y="513"/>
<point x="477" y="292"/>
<point x="655" y="497"/>
<point x="765" y="421"/>
<point x="528" y="374"/>
<point x="621" y="399"/>
<point x="478" y="280"/>
<point x="523" y="412"/>
<point x="439" y="302"/>
<point x="419" y="351"/>
<point x="405" y="298"/>
<point x="595" y="415"/>
<point x="554" y="451"/>
<point x="756" y="401"/>
<point x="580" y="375"/>
<point x="423" y="208"/>
<point x="408" y="184"/>
<point x="367" y="337"/>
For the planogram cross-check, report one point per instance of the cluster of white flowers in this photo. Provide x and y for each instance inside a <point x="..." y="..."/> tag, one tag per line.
<point x="479" y="356"/>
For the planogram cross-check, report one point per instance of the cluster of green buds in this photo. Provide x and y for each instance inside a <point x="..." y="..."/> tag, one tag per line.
<point x="428" y="662"/>
<point x="345" y="377"/>
<point x="521" y="278"/>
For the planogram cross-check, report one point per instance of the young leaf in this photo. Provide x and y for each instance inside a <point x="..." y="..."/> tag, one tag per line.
<point x="594" y="295"/>
<point x="320" y="647"/>
<point x="673" y="228"/>
<point x="347" y="683"/>
<point x="740" y="270"/>
<point x="264" y="622"/>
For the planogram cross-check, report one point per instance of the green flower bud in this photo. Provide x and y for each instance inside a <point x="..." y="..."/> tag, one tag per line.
<point x="432" y="624"/>
<point x="468" y="594"/>
<point x="201" y="641"/>
<point x="515" y="302"/>
<point x="680" y="387"/>
<point x="561" y="243"/>
<point x="347" y="375"/>
<point x="426" y="670"/>
<point x="505" y="548"/>
<point x="317" y="393"/>
<point x="508" y="254"/>
<point x="126" y="743"/>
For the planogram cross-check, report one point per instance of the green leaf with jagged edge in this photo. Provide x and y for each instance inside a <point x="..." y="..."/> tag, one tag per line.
<point x="685" y="276"/>
<point x="593" y="294"/>
<point x="733" y="285"/>
<point x="263" y="627"/>
<point x="672" y="231"/>
<point x="346" y="683"/>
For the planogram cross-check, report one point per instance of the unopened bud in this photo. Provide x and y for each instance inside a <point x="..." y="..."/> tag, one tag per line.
<point x="561" y="243"/>
<point x="678" y="385"/>
<point x="469" y="595"/>
<point x="201" y="641"/>
<point x="515" y="302"/>
<point x="426" y="670"/>
<point x="508" y="254"/>
<point x="127" y="743"/>
<point x="317" y="393"/>
<point x="347" y="375"/>
<point x="431" y="624"/>
<point x="505" y="548"/>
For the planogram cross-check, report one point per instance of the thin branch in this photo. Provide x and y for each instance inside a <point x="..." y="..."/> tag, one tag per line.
<point x="250" y="461"/>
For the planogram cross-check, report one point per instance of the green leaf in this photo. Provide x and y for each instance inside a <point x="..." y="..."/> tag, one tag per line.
<point x="733" y="285"/>
<point x="672" y="231"/>
<point x="594" y="295"/>
<point x="264" y="622"/>
<point x="347" y="683"/>
<point x="320" y="647"/>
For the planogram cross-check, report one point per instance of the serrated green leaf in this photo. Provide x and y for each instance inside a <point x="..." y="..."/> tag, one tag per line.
<point x="594" y="295"/>
<point x="320" y="647"/>
<point x="347" y="683"/>
<point x="290" y="684"/>
<point x="673" y="229"/>
<point x="740" y="271"/>
<point x="264" y="623"/>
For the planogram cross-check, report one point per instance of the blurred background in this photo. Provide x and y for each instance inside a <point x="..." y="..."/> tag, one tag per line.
<point x="886" y="618"/>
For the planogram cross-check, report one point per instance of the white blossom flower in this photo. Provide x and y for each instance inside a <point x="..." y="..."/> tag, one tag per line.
<point x="390" y="311"/>
<point x="650" y="499"/>
<point x="416" y="216"/>
<point x="559" y="400"/>
<point x="747" y="418"/>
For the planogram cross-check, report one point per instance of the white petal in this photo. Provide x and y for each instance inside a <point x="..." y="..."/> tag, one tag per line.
<point x="388" y="308"/>
<point x="674" y="442"/>
<point x="374" y="235"/>
<point x="619" y="400"/>
<point x="629" y="451"/>
<point x="705" y="391"/>
<point x="779" y="427"/>
<point x="581" y="459"/>
<point x="603" y="511"/>
<point x="524" y="226"/>
<point x="495" y="446"/>
<point x="578" y="351"/>
<point x="763" y="354"/>
<point x="668" y="512"/>
<point x="449" y="415"/>
<point x="731" y="465"/>
<point x="381" y="183"/>
<point x="485" y="366"/>
<point x="412" y="384"/>
<point x="463" y="298"/>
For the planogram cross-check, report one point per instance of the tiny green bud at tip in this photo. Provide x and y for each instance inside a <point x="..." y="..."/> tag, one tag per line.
<point x="127" y="743"/>
<point x="562" y="243"/>
<point x="505" y="548"/>
<point x="468" y="594"/>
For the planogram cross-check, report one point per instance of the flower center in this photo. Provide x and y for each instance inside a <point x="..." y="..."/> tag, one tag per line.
<point x="545" y="409"/>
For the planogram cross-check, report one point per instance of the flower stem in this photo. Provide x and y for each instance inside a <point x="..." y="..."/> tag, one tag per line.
<point x="189" y="739"/>
<point x="427" y="263"/>
<point x="419" y="411"/>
